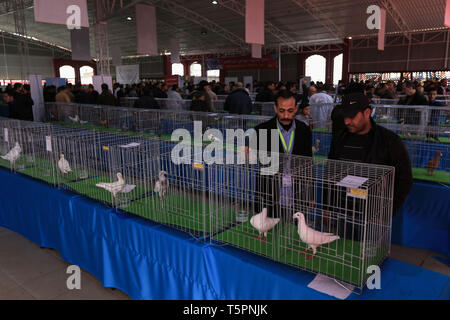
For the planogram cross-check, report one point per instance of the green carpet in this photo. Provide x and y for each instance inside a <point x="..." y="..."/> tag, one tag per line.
<point x="439" y="175"/>
<point x="181" y="212"/>
<point x="88" y="188"/>
<point x="340" y="259"/>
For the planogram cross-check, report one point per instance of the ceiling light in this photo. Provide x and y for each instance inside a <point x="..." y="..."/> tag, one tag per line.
<point x="214" y="2"/>
<point x="129" y="18"/>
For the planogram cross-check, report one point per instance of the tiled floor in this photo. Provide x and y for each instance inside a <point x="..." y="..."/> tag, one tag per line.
<point x="30" y="272"/>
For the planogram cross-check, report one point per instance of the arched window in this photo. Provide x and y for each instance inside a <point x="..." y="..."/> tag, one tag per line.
<point x="213" y="75"/>
<point x="177" y="68"/>
<point x="196" y="70"/>
<point x="67" y="72"/>
<point x="337" y="69"/>
<point x="316" y="68"/>
<point x="86" y="74"/>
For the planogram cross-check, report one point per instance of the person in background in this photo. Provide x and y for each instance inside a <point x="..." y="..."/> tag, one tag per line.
<point x="4" y="106"/>
<point x="321" y="102"/>
<point x="305" y="116"/>
<point x="49" y="93"/>
<point x="434" y="116"/>
<point x="93" y="94"/>
<point x="106" y="97"/>
<point x="413" y="98"/>
<point x="248" y="87"/>
<point x="238" y="101"/>
<point x="212" y="95"/>
<point x="267" y="94"/>
<point x="20" y="107"/>
<point x="81" y="94"/>
<point x="63" y="95"/>
<point x="146" y="100"/>
<point x="362" y="140"/>
<point x="200" y="98"/>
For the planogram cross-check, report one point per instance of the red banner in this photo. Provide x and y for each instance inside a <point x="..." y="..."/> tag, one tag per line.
<point x="242" y="63"/>
<point x="171" y="80"/>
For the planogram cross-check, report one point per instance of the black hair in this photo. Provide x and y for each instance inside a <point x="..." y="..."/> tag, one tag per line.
<point x="410" y="84"/>
<point x="284" y="94"/>
<point x="104" y="87"/>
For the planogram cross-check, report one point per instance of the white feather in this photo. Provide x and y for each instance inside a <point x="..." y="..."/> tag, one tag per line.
<point x="13" y="154"/>
<point x="63" y="165"/>
<point x="114" y="187"/>
<point x="262" y="223"/>
<point x="310" y="236"/>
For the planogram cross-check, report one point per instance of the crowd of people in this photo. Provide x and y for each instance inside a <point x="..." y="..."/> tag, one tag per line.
<point x="239" y="96"/>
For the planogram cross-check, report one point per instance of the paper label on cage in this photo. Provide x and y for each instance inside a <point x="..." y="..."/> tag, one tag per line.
<point x="105" y="148"/>
<point x="287" y="180"/>
<point x="131" y="145"/>
<point x="48" y="143"/>
<point x="5" y="134"/>
<point x="357" y="193"/>
<point x="352" y="182"/>
<point x="199" y="166"/>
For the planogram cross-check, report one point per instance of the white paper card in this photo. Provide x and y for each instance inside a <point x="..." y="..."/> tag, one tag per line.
<point x="48" y="143"/>
<point x="331" y="287"/>
<point x="5" y="134"/>
<point x="131" y="145"/>
<point x="352" y="182"/>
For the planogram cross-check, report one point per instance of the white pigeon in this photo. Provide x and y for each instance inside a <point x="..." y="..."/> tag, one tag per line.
<point x="114" y="187"/>
<point x="13" y="154"/>
<point x="315" y="147"/>
<point x="212" y="137"/>
<point x="312" y="237"/>
<point x="77" y="119"/>
<point x="161" y="185"/>
<point x="263" y="224"/>
<point x="63" y="164"/>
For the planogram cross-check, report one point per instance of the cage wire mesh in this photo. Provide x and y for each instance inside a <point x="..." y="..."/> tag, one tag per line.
<point x="346" y="206"/>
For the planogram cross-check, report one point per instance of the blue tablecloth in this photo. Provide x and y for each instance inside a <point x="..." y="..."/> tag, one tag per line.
<point x="149" y="261"/>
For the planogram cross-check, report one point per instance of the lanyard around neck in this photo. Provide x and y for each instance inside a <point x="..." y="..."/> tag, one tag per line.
<point x="284" y="142"/>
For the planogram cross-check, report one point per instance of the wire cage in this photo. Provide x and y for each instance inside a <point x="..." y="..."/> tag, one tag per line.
<point x="425" y="131"/>
<point x="148" y="122"/>
<point x="92" y="165"/>
<point x="172" y="183"/>
<point x="341" y="211"/>
<point x="174" y="104"/>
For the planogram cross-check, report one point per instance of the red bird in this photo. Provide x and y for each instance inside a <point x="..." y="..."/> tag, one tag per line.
<point x="433" y="164"/>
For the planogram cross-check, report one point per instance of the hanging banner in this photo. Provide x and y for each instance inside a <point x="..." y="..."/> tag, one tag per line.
<point x="256" y="51"/>
<point x="254" y="21"/>
<point x="212" y="64"/>
<point x="241" y="63"/>
<point x="97" y="81"/>
<point x="71" y="13"/>
<point x="447" y="14"/>
<point x="38" y="97"/>
<point x="175" y="50"/>
<point x="382" y="31"/>
<point x="147" y="41"/>
<point x="127" y="74"/>
<point x="171" y="80"/>
<point x="81" y="45"/>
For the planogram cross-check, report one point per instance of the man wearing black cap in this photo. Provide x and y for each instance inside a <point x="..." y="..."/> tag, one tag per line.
<point x="364" y="141"/>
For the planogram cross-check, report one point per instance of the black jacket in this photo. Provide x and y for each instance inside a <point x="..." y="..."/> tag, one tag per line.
<point x="22" y="107"/>
<point x="407" y="115"/>
<point x="384" y="148"/>
<point x="238" y="102"/>
<point x="265" y="96"/>
<point x="147" y="102"/>
<point x="268" y="186"/>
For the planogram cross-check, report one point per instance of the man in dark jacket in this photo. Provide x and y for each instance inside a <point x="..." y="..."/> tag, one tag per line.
<point x="238" y="101"/>
<point x="294" y="138"/>
<point x="146" y="100"/>
<point x="106" y="97"/>
<point x="267" y="95"/>
<point x="365" y="141"/>
<point x="20" y="105"/>
<point x="413" y="98"/>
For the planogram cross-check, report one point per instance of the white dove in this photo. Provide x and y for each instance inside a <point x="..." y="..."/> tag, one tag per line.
<point x="77" y="119"/>
<point x="63" y="164"/>
<point x="13" y="154"/>
<point x="114" y="187"/>
<point x="212" y="137"/>
<point x="263" y="224"/>
<point x="312" y="237"/>
<point x="161" y="185"/>
<point x="315" y="147"/>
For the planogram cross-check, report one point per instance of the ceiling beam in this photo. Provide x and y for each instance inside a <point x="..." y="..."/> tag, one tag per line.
<point x="313" y="10"/>
<point x="397" y="17"/>
<point x="185" y="13"/>
<point x="239" y="7"/>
